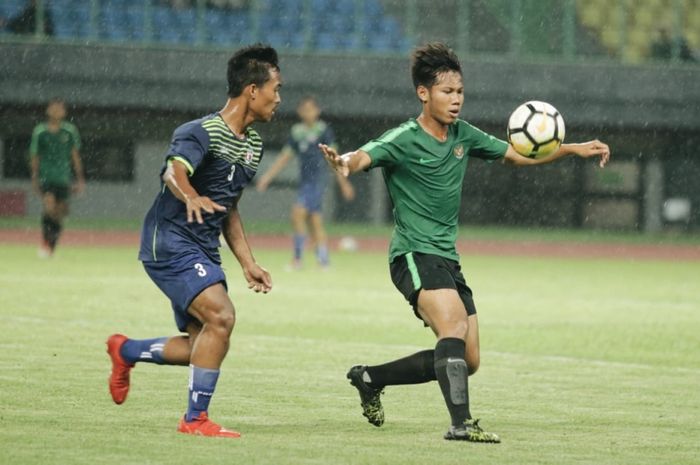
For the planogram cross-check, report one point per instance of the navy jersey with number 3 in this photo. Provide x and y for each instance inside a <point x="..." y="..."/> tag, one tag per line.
<point x="220" y="165"/>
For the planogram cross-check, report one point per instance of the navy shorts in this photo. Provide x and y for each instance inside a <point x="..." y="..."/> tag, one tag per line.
<point x="184" y="278"/>
<point x="415" y="271"/>
<point x="310" y="196"/>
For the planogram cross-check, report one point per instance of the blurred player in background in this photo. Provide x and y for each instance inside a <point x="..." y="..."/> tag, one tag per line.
<point x="424" y="161"/>
<point x="209" y="162"/>
<point x="54" y="154"/>
<point x="304" y="141"/>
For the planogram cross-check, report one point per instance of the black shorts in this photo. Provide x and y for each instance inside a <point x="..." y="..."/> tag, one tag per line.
<point x="415" y="271"/>
<point x="60" y="191"/>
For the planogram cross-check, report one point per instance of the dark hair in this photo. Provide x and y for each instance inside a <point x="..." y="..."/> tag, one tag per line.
<point x="250" y="65"/>
<point x="56" y="100"/>
<point x="431" y="59"/>
<point x="308" y="98"/>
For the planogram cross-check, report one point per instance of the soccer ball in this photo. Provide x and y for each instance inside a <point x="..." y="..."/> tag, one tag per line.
<point x="536" y="129"/>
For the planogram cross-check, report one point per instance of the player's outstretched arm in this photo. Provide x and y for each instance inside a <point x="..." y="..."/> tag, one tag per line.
<point x="176" y="178"/>
<point x="594" y="148"/>
<point x="258" y="278"/>
<point x="348" y="163"/>
<point x="285" y="155"/>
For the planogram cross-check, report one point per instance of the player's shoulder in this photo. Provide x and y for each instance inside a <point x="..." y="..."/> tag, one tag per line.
<point x="69" y="127"/>
<point x="253" y="136"/>
<point x="39" y="129"/>
<point x="464" y="126"/>
<point x="401" y="133"/>
<point x="297" y="131"/>
<point x="200" y="127"/>
<point x="466" y="130"/>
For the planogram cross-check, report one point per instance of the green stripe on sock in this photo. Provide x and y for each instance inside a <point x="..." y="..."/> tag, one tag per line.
<point x="415" y="277"/>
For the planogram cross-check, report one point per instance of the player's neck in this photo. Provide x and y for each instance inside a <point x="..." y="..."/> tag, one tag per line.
<point x="433" y="127"/>
<point x="236" y="116"/>
<point x="53" y="124"/>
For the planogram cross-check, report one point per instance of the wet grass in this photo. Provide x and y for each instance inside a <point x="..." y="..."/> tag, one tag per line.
<point x="583" y="361"/>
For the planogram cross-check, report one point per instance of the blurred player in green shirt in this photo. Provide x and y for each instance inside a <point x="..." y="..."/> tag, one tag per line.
<point x="424" y="161"/>
<point x="54" y="154"/>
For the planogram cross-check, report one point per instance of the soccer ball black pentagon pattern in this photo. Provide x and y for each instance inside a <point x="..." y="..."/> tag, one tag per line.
<point x="536" y="129"/>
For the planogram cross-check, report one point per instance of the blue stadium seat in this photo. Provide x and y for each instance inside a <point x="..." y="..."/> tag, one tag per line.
<point x="72" y="18"/>
<point x="228" y="27"/>
<point x="326" y="41"/>
<point x="135" y="22"/>
<point x="112" y="23"/>
<point x="341" y="24"/>
<point x="11" y="8"/>
<point x="186" y="24"/>
<point x="164" y="27"/>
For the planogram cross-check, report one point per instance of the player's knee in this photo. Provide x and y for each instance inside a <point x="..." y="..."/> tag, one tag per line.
<point x="223" y="321"/>
<point x="473" y="364"/>
<point x="457" y="329"/>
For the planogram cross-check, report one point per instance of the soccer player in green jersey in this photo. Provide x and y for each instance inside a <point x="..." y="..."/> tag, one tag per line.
<point x="423" y="162"/>
<point x="53" y="151"/>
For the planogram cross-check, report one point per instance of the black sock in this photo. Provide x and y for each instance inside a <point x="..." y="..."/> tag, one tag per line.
<point x="45" y="228"/>
<point x="51" y="230"/>
<point x="452" y="374"/>
<point x="414" y="369"/>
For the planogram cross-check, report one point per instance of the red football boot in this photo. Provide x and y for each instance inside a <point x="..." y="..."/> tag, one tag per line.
<point x="203" y="426"/>
<point x="119" y="379"/>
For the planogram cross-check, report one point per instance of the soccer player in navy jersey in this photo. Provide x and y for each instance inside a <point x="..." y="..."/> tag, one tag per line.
<point x="209" y="162"/>
<point x="313" y="177"/>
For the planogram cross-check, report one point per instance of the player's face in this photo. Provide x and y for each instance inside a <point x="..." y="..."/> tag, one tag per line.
<point x="445" y="98"/>
<point x="56" y="111"/>
<point x="267" y="98"/>
<point x="308" y="112"/>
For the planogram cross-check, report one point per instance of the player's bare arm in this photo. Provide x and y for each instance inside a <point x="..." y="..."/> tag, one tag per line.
<point x="285" y="155"/>
<point x="176" y="178"/>
<point x="594" y="148"/>
<point x="258" y="278"/>
<point x="346" y="188"/>
<point x="79" y="185"/>
<point x="348" y="163"/>
<point x="34" y="167"/>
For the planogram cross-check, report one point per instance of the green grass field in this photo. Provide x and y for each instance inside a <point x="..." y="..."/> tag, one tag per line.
<point x="583" y="362"/>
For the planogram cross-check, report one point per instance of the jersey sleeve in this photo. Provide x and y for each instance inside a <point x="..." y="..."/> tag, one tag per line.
<point x="34" y="143"/>
<point x="189" y="145"/>
<point x="384" y="151"/>
<point x="485" y="146"/>
<point x="75" y="135"/>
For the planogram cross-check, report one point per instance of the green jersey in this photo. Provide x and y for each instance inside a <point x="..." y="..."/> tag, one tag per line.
<point x="54" y="150"/>
<point x="424" y="177"/>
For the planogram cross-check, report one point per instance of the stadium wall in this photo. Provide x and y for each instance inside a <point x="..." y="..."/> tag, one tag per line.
<point x="649" y="114"/>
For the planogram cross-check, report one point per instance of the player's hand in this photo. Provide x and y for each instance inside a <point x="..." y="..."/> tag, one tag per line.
<point x="195" y="206"/>
<point x="594" y="148"/>
<point x="338" y="163"/>
<point x="78" y="187"/>
<point x="258" y="278"/>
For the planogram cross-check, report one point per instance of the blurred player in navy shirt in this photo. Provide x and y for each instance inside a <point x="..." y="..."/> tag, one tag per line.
<point x="208" y="164"/>
<point x="313" y="178"/>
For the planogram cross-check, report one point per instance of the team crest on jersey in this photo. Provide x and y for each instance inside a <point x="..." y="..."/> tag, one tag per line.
<point x="249" y="156"/>
<point x="459" y="152"/>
